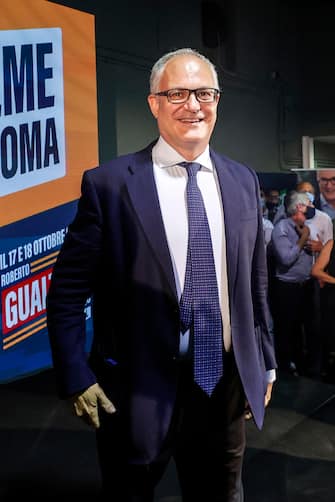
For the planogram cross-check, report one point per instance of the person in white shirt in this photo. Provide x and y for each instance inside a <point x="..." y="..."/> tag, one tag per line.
<point x="321" y="232"/>
<point x="321" y="226"/>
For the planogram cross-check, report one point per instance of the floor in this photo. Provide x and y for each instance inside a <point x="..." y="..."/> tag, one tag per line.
<point x="48" y="454"/>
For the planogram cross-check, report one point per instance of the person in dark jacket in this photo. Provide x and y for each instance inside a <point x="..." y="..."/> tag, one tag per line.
<point x="127" y="249"/>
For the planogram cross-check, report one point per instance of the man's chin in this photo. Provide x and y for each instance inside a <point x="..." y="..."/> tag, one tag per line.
<point x="194" y="137"/>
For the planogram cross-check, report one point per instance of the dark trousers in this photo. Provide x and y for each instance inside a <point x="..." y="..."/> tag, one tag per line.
<point x="206" y="439"/>
<point x="328" y="332"/>
<point x="297" y="325"/>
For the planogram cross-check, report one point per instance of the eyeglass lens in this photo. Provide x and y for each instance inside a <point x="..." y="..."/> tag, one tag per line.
<point x="324" y="181"/>
<point x="182" y="95"/>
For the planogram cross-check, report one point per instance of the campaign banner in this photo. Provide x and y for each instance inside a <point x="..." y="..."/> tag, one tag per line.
<point x="48" y="137"/>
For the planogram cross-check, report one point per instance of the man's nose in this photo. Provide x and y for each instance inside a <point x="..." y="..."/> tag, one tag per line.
<point x="192" y="103"/>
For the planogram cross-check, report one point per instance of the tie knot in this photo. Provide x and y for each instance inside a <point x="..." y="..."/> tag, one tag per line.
<point x="191" y="167"/>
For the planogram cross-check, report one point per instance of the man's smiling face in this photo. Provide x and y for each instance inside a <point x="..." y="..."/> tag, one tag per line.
<point x="187" y="127"/>
<point x="326" y="180"/>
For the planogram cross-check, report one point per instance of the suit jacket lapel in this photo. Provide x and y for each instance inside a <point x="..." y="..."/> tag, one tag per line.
<point x="143" y="194"/>
<point x="231" y="207"/>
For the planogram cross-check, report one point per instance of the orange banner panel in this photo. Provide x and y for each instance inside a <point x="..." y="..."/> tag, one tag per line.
<point x="49" y="33"/>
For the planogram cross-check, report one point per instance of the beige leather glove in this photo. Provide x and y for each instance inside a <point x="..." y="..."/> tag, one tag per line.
<point x="86" y="403"/>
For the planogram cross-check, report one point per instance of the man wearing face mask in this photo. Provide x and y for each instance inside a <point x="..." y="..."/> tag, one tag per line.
<point x="293" y="288"/>
<point x="320" y="225"/>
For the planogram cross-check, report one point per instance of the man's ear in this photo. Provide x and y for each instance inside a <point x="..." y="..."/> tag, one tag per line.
<point x="153" y="102"/>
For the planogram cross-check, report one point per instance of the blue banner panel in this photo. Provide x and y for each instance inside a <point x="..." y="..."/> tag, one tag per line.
<point x="28" y="251"/>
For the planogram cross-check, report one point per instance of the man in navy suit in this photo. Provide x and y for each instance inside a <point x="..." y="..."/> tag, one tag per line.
<point x="126" y="249"/>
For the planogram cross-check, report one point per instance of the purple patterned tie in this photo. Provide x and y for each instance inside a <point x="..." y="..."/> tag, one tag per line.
<point x="199" y="304"/>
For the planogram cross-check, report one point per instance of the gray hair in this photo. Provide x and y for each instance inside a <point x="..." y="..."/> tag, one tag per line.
<point x="159" y="67"/>
<point x="321" y="172"/>
<point x="294" y="199"/>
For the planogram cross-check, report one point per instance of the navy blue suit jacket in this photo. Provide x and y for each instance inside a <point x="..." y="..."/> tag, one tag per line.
<point x="116" y="252"/>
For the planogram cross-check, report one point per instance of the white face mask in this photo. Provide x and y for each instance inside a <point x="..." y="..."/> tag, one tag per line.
<point x="310" y="196"/>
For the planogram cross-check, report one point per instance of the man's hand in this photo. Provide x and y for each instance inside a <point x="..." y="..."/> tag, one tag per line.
<point x="303" y="233"/>
<point x="314" y="246"/>
<point x="267" y="398"/>
<point x="86" y="404"/>
<point x="268" y="394"/>
<point x="302" y="230"/>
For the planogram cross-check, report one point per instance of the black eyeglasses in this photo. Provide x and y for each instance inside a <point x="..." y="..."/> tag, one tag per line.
<point x="178" y="96"/>
<point x="324" y="181"/>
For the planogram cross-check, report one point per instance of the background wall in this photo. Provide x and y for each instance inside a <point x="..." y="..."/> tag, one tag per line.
<point x="275" y="67"/>
<point x="274" y="61"/>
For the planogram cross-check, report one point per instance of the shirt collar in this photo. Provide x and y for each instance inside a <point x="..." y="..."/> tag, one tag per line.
<point x="163" y="155"/>
<point x="323" y="201"/>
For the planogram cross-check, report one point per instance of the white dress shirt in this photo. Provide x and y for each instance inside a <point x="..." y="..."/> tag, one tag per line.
<point x="326" y="207"/>
<point x="321" y="226"/>
<point x="267" y="230"/>
<point x="171" y="182"/>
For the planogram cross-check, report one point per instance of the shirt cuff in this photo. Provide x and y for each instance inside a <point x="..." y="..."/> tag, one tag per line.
<point x="271" y="376"/>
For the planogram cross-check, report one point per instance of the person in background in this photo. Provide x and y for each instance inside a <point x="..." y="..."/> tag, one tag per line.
<point x="324" y="271"/>
<point x="321" y="227"/>
<point x="293" y="290"/>
<point x="128" y="250"/>
<point x="267" y="224"/>
<point x="321" y="231"/>
<point x="272" y="202"/>
<point x="326" y="181"/>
